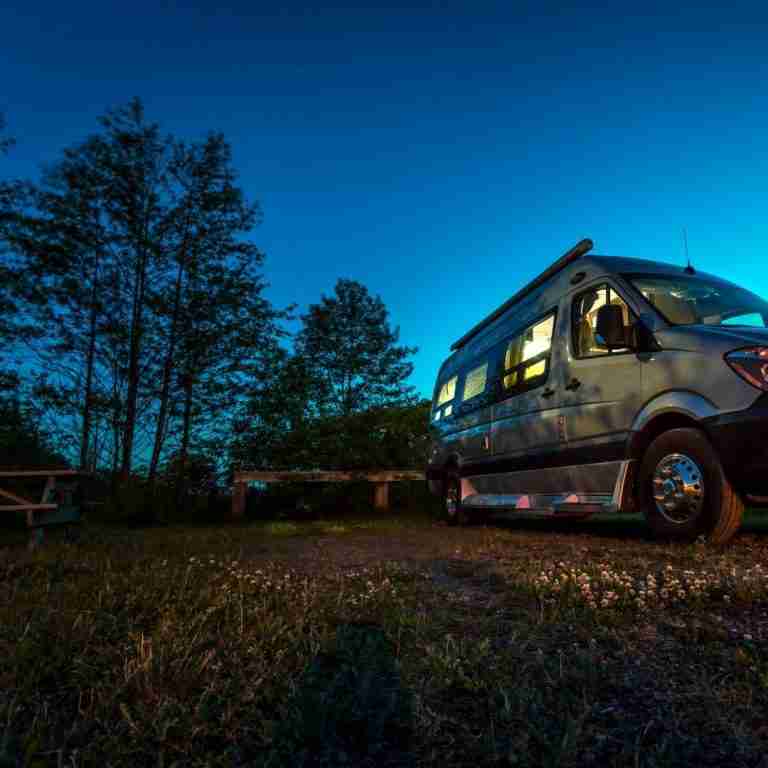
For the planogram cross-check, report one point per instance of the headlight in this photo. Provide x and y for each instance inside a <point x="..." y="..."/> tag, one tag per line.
<point x="751" y="364"/>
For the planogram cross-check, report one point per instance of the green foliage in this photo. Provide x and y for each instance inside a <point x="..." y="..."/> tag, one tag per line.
<point x="144" y="305"/>
<point x="393" y="437"/>
<point x="22" y="443"/>
<point x="352" y="353"/>
<point x="130" y="275"/>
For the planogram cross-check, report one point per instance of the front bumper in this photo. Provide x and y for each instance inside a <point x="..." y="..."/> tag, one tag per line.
<point x="741" y="440"/>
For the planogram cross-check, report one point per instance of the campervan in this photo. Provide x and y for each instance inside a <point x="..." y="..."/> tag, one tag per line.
<point x="608" y="384"/>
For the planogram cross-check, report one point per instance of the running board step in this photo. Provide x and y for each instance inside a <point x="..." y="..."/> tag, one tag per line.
<point x="541" y="505"/>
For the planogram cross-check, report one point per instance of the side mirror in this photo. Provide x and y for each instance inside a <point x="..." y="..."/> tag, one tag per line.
<point x="611" y="332"/>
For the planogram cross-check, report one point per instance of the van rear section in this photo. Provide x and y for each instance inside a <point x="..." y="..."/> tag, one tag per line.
<point x="608" y="384"/>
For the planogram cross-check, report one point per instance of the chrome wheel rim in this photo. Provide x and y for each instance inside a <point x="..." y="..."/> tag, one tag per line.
<point x="452" y="498"/>
<point x="678" y="488"/>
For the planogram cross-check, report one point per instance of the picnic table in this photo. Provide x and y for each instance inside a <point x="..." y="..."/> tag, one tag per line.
<point x="381" y="478"/>
<point x="60" y="502"/>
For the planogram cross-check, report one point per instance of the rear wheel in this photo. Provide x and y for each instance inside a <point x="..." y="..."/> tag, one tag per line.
<point x="684" y="491"/>
<point x="454" y="511"/>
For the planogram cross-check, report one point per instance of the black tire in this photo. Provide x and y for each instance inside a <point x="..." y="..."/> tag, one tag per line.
<point x="682" y="464"/>
<point x="453" y="510"/>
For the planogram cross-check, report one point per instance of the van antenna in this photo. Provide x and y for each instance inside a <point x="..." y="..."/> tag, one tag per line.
<point x="689" y="270"/>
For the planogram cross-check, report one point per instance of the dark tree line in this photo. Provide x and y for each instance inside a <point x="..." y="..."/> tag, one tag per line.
<point x="136" y="337"/>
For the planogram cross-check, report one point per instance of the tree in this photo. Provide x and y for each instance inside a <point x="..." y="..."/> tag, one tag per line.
<point x="272" y="428"/>
<point x="145" y="312"/>
<point x="90" y="251"/>
<point x="352" y="352"/>
<point x="229" y="335"/>
<point x="22" y="443"/>
<point x="67" y="247"/>
<point x="11" y="196"/>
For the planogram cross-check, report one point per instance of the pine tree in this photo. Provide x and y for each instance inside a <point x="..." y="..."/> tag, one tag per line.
<point x="353" y="353"/>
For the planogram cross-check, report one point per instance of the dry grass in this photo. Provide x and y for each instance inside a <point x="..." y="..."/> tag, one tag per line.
<point x="384" y="643"/>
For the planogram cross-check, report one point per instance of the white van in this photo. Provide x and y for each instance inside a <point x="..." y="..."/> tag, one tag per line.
<point x="609" y="384"/>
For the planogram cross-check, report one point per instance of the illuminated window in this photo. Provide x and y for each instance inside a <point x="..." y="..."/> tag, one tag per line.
<point x="474" y="384"/>
<point x="510" y="380"/>
<point x="526" y="360"/>
<point x="537" y="369"/>
<point x="448" y="410"/>
<point x="538" y="339"/>
<point x="447" y="392"/>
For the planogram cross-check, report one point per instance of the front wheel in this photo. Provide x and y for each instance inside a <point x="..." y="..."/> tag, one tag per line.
<point x="684" y="490"/>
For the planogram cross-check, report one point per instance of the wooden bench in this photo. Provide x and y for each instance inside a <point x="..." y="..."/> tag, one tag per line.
<point x="58" y="503"/>
<point x="380" y="479"/>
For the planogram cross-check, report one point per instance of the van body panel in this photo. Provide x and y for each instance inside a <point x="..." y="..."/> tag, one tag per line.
<point x="593" y="478"/>
<point x="686" y="403"/>
<point x="533" y="427"/>
<point x="601" y="485"/>
<point x="692" y="360"/>
<point x="609" y="394"/>
<point x="472" y="433"/>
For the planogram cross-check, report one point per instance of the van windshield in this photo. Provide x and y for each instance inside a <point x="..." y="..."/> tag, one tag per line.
<point x="694" y="301"/>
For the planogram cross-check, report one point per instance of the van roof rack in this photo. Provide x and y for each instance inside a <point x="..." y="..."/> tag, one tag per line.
<point x="578" y="250"/>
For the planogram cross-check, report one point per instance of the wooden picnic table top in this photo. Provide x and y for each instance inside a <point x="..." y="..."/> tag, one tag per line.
<point x="373" y="476"/>
<point x="43" y="473"/>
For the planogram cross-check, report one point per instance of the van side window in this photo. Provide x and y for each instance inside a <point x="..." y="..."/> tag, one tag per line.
<point x="474" y="383"/>
<point x="445" y="395"/>
<point x="585" y="309"/>
<point x="526" y="360"/>
<point x="447" y="391"/>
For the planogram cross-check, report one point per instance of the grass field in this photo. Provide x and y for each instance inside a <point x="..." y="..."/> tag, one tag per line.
<point x="384" y="642"/>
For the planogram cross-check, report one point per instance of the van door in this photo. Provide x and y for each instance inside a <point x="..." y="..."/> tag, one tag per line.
<point x="602" y="389"/>
<point x="524" y="420"/>
<point x="473" y="412"/>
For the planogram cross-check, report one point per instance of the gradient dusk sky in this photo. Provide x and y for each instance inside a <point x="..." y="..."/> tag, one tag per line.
<point x="441" y="154"/>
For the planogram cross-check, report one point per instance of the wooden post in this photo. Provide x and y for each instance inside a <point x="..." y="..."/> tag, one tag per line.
<point x="37" y="535"/>
<point x="238" y="500"/>
<point x="381" y="496"/>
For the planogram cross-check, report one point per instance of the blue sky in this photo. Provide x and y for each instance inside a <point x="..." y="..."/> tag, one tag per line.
<point x="441" y="154"/>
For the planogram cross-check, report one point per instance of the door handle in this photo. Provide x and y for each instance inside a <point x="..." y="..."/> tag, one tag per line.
<point x="548" y="392"/>
<point x="573" y="384"/>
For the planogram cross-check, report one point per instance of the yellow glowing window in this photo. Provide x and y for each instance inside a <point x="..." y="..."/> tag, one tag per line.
<point x="448" y="410"/>
<point x="447" y="392"/>
<point x="510" y="380"/>
<point x="514" y="354"/>
<point x="538" y="338"/>
<point x="475" y="382"/>
<point x="534" y="342"/>
<point x="537" y="369"/>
